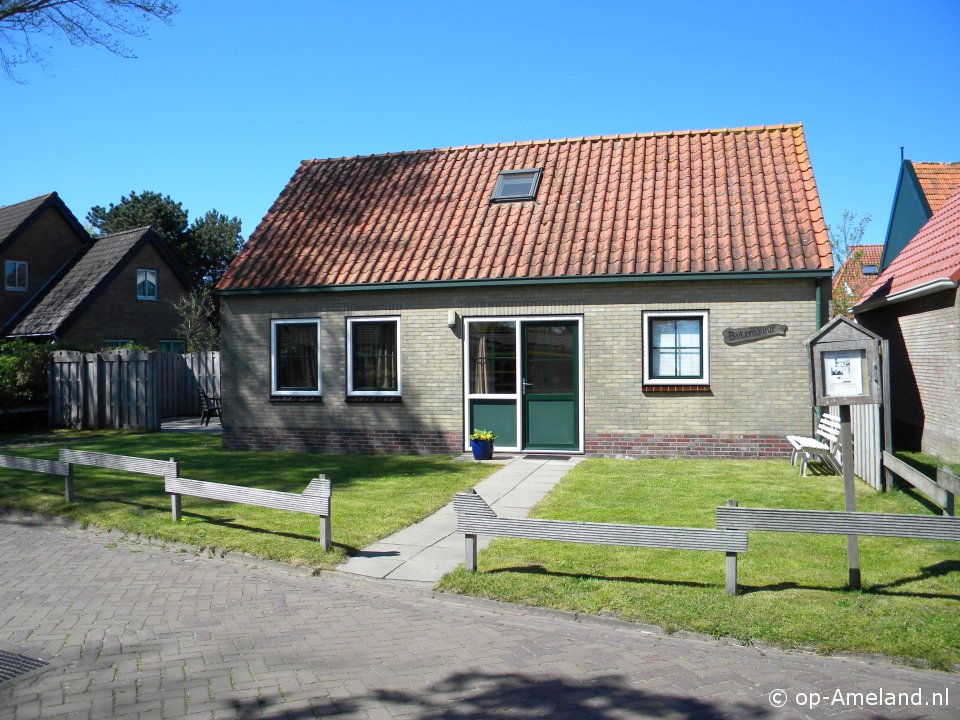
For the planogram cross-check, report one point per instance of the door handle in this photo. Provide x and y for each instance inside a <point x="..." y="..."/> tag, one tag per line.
<point x="526" y="385"/>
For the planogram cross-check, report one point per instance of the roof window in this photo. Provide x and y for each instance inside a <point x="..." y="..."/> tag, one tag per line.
<point x="513" y="185"/>
<point x="870" y="270"/>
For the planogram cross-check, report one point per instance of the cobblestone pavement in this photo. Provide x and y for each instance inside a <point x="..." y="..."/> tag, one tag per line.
<point x="142" y="631"/>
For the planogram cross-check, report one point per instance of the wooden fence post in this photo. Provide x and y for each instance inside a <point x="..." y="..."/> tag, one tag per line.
<point x="470" y="552"/>
<point x="731" y="570"/>
<point x="68" y="484"/>
<point x="849" y="496"/>
<point x="948" y="480"/>
<point x="325" y="532"/>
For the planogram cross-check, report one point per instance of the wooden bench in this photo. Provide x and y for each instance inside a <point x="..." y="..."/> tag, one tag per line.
<point x="826" y="451"/>
<point x="476" y="517"/>
<point x="314" y="500"/>
<point x="50" y="467"/>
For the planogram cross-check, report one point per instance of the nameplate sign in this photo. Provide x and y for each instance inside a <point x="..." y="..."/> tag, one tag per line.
<point x="739" y="336"/>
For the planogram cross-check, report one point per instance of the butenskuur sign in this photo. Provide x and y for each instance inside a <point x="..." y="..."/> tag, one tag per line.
<point x="739" y="336"/>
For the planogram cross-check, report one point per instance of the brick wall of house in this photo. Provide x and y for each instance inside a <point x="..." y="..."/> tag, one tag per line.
<point x="924" y="337"/>
<point x="117" y="314"/>
<point x="46" y="246"/>
<point x="759" y="391"/>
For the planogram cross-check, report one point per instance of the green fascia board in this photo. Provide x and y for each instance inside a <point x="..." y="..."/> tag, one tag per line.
<point x="513" y="282"/>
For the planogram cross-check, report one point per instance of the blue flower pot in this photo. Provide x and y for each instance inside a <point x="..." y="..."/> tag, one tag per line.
<point x="482" y="449"/>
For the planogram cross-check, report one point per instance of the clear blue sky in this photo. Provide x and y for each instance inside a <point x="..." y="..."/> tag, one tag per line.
<point x="219" y="108"/>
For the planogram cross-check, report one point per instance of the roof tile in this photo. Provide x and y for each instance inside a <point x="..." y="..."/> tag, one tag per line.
<point x="716" y="200"/>
<point x="938" y="181"/>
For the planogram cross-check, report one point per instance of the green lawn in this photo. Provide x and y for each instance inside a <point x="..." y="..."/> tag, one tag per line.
<point x="372" y="496"/>
<point x="793" y="586"/>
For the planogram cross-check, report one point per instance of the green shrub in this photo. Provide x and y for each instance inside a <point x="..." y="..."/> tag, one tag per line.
<point x="23" y="373"/>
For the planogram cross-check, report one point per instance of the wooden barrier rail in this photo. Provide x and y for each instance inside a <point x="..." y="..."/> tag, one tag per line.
<point x="940" y="491"/>
<point x="144" y="466"/>
<point x="50" y="467"/>
<point x="476" y="517"/>
<point x="314" y="500"/>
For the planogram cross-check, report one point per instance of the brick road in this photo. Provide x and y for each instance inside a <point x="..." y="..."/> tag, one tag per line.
<point x="141" y="631"/>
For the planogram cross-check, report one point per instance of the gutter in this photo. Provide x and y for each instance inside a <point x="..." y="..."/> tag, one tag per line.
<point x="929" y="288"/>
<point x="554" y="280"/>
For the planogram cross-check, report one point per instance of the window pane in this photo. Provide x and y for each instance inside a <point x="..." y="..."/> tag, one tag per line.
<point x="296" y="354"/>
<point x="493" y="358"/>
<point x="374" y="356"/>
<point x="676" y="348"/>
<point x="516" y="185"/>
<point x="15" y="275"/>
<point x="146" y="283"/>
<point x="549" y="358"/>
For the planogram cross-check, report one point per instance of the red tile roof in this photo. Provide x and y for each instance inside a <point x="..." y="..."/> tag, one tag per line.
<point x="851" y="272"/>
<point x="938" y="181"/>
<point x="932" y="255"/>
<point x="684" y="202"/>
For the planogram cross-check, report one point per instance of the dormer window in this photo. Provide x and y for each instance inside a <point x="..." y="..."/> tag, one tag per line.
<point x="870" y="270"/>
<point x="515" y="185"/>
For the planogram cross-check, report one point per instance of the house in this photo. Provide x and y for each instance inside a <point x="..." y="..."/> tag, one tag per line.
<point x="913" y="304"/>
<point x="922" y="189"/>
<point x="632" y="295"/>
<point x="856" y="274"/>
<point x="63" y="286"/>
<point x="38" y="239"/>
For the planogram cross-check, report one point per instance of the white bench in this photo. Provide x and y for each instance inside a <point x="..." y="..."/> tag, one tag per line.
<point x="825" y="451"/>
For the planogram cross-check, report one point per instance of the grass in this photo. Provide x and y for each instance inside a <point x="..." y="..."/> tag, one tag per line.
<point x="373" y="496"/>
<point x="793" y="586"/>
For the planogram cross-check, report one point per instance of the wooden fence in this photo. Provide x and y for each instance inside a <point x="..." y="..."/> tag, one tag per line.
<point x="941" y="491"/>
<point x="129" y="389"/>
<point x="867" y="431"/>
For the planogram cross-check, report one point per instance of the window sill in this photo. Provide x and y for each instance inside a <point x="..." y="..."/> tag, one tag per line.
<point x="282" y="399"/>
<point x="676" y="388"/>
<point x="374" y="398"/>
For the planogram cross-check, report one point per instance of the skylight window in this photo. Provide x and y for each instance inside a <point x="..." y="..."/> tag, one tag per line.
<point x="513" y="185"/>
<point x="870" y="270"/>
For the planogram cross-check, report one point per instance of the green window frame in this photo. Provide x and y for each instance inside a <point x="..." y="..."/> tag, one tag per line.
<point x="676" y="348"/>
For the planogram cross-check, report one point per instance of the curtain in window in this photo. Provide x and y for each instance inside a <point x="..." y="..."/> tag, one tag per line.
<point x="297" y="356"/>
<point x="676" y="351"/>
<point x="493" y="358"/>
<point x="146" y="283"/>
<point x="375" y="356"/>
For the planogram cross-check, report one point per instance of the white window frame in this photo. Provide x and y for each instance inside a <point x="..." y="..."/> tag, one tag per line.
<point x="156" y="284"/>
<point x="273" y="358"/>
<point x="395" y="319"/>
<point x="704" y="316"/>
<point x="16" y="272"/>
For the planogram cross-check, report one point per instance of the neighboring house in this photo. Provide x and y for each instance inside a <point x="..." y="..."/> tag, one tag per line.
<point x="913" y="304"/>
<point x="38" y="239"/>
<point x="88" y="292"/>
<point x="922" y="189"/>
<point x="857" y="273"/>
<point x="639" y="295"/>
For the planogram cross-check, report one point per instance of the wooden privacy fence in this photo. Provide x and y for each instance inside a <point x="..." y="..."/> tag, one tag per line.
<point x="476" y="517"/>
<point x="867" y="431"/>
<point x="941" y="491"/>
<point x="130" y="389"/>
<point x="314" y="500"/>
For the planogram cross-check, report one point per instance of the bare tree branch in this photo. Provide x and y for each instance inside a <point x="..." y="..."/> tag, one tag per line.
<point x="81" y="22"/>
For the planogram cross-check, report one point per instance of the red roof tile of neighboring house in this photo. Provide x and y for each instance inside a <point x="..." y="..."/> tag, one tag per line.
<point x="685" y="202"/>
<point x="938" y="181"/>
<point x="930" y="259"/>
<point x="851" y="272"/>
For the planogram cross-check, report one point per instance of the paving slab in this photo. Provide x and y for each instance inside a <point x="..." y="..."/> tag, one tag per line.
<point x="134" y="631"/>
<point x="431" y="548"/>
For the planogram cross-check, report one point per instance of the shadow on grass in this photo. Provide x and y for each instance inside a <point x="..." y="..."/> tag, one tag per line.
<point x="485" y="696"/>
<point x="927" y="573"/>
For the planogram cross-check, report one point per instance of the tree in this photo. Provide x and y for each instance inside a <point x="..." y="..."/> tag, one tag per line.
<point x="845" y="240"/>
<point x="204" y="248"/>
<point x="82" y="22"/>
<point x="198" y="320"/>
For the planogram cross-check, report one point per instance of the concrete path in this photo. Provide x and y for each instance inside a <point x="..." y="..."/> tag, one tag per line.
<point x="427" y="551"/>
<point x="136" y="631"/>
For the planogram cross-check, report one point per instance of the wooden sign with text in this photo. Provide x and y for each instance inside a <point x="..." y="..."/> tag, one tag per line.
<point x="739" y="336"/>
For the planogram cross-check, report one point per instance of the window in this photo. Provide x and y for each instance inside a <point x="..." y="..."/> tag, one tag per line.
<point x="493" y="357"/>
<point x="295" y="357"/>
<point x="15" y="275"/>
<point x="373" y="356"/>
<point x="870" y="270"/>
<point x="146" y="284"/>
<point x="515" y="185"/>
<point x="676" y="351"/>
<point x="174" y="346"/>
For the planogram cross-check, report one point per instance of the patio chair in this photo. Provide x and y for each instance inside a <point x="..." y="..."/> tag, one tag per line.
<point x="209" y="407"/>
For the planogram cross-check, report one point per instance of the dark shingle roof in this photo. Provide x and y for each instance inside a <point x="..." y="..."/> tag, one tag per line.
<point x="738" y="200"/>
<point x="12" y="217"/>
<point x="95" y="265"/>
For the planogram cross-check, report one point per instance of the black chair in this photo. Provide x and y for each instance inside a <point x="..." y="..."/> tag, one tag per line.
<point x="209" y="407"/>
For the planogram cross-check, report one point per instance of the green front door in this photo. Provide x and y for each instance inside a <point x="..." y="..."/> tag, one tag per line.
<point x="550" y="385"/>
